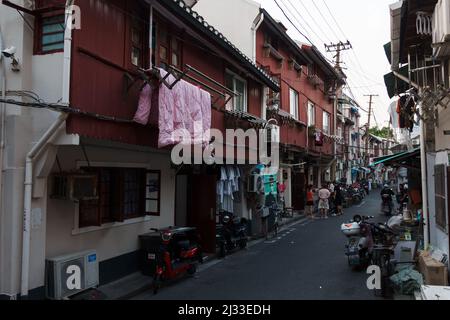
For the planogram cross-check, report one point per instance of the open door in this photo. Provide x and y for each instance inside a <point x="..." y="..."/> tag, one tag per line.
<point x="202" y="213"/>
<point x="298" y="190"/>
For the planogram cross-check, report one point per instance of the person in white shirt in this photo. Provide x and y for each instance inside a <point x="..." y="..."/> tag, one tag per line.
<point x="324" y="206"/>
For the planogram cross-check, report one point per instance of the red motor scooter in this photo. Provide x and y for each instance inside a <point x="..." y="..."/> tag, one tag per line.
<point x="170" y="253"/>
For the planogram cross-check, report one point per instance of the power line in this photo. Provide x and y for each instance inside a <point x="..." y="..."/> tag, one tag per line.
<point x="305" y="21"/>
<point x="284" y="13"/>
<point x="353" y="50"/>
<point x="324" y="19"/>
<point x="332" y="16"/>
<point x="315" y="22"/>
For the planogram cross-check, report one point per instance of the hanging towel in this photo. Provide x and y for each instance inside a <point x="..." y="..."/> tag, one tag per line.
<point x="144" y="107"/>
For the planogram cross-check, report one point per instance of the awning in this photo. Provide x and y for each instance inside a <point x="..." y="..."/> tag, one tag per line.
<point x="394" y="85"/>
<point x="398" y="158"/>
<point x="397" y="13"/>
<point x="388" y="51"/>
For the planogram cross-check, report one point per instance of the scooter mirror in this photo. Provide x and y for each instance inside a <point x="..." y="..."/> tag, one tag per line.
<point x="357" y="218"/>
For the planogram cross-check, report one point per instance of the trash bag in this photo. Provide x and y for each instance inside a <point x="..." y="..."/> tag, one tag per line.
<point x="407" y="280"/>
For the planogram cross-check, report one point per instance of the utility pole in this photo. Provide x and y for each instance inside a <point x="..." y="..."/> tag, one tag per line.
<point x="371" y="96"/>
<point x="338" y="48"/>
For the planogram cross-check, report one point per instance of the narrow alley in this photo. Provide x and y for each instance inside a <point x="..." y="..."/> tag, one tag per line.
<point x="305" y="262"/>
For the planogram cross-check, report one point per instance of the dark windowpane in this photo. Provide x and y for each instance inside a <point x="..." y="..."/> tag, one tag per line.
<point x="131" y="193"/>
<point x="136" y="56"/>
<point x="152" y="192"/>
<point x="440" y="196"/>
<point x="58" y="46"/>
<point x="52" y="33"/>
<point x="53" y="20"/>
<point x="163" y="53"/>
<point x="52" y="28"/>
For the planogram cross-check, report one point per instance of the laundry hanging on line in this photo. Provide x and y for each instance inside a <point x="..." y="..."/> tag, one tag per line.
<point x="228" y="186"/>
<point x="183" y="110"/>
<point x="406" y="108"/>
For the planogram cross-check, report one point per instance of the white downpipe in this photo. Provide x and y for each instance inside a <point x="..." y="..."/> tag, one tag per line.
<point x="2" y="113"/>
<point x="255" y="28"/>
<point x="423" y="163"/>
<point x="34" y="154"/>
<point x="31" y="156"/>
<point x="67" y="58"/>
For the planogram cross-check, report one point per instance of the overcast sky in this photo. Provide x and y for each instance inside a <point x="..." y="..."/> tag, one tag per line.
<point x="365" y="23"/>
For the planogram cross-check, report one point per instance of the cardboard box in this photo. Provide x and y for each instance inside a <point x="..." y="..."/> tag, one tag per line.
<point x="434" y="272"/>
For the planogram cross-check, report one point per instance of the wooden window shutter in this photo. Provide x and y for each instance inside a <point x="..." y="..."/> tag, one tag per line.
<point x="89" y="213"/>
<point x="440" y="196"/>
<point x="117" y="192"/>
<point x="152" y="194"/>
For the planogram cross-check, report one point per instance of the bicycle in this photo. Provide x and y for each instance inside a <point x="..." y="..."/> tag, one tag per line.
<point x="275" y="213"/>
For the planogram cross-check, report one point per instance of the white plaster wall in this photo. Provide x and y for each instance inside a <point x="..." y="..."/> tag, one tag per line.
<point x="42" y="75"/>
<point x="112" y="241"/>
<point x="226" y="15"/>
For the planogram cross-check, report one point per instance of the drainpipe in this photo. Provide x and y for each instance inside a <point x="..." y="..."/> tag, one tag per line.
<point x="36" y="151"/>
<point x="256" y="24"/>
<point x="31" y="156"/>
<point x="2" y="114"/>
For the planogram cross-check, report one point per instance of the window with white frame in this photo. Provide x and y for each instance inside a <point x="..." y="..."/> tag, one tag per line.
<point x="239" y="86"/>
<point x="326" y="122"/>
<point x="293" y="103"/>
<point x="311" y="114"/>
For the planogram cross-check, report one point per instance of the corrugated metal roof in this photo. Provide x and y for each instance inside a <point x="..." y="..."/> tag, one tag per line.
<point x="218" y="36"/>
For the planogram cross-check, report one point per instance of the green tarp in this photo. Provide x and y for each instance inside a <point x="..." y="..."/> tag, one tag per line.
<point x="394" y="85"/>
<point x="394" y="157"/>
<point x="387" y="50"/>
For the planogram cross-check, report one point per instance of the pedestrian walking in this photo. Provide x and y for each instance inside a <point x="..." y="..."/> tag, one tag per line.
<point x="324" y="206"/>
<point x="331" y="187"/>
<point x="309" y="208"/>
<point x="338" y="200"/>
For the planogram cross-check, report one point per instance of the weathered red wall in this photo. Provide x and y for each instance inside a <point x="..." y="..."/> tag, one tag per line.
<point x="289" y="78"/>
<point x="98" y="86"/>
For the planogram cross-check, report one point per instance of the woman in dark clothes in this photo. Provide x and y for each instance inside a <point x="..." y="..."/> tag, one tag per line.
<point x="338" y="199"/>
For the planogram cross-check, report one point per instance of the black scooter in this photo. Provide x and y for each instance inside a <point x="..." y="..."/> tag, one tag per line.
<point x="231" y="234"/>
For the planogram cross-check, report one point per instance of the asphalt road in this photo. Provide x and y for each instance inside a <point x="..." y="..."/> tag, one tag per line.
<point x="306" y="262"/>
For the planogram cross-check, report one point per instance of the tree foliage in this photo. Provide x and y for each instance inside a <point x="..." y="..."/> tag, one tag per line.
<point x="384" y="132"/>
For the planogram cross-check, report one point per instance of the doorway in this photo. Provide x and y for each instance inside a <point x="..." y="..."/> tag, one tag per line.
<point x="196" y="206"/>
<point x="298" y="190"/>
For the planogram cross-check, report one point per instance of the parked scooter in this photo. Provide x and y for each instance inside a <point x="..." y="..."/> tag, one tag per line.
<point x="360" y="242"/>
<point x="171" y="253"/>
<point x="231" y="233"/>
<point x="363" y="235"/>
<point x="356" y="195"/>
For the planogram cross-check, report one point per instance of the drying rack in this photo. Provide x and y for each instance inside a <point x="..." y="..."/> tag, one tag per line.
<point x="153" y="75"/>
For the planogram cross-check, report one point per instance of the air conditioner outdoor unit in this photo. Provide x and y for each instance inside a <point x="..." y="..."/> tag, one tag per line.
<point x="75" y="187"/>
<point x="441" y="28"/>
<point x="70" y="274"/>
<point x="255" y="183"/>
